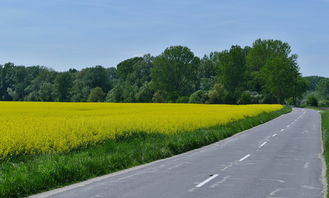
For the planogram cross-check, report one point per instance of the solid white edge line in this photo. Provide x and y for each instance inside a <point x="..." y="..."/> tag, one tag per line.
<point x="245" y="157"/>
<point x="206" y="181"/>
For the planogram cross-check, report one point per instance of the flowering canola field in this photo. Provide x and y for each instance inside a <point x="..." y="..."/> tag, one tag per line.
<point x="36" y="127"/>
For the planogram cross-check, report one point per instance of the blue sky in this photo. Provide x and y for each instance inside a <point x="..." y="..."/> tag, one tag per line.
<point x="64" y="34"/>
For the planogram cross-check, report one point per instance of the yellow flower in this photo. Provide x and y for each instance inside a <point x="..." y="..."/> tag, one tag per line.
<point x="36" y="127"/>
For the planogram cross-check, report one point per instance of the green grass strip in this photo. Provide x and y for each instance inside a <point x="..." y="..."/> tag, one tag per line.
<point x="325" y="138"/>
<point x="29" y="175"/>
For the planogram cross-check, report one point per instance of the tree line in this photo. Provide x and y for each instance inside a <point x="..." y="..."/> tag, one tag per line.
<point x="266" y="72"/>
<point x="317" y="93"/>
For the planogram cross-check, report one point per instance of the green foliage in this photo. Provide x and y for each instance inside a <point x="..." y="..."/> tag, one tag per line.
<point x="217" y="95"/>
<point x="280" y="83"/>
<point x="258" y="56"/>
<point x="226" y="77"/>
<point x="125" y="68"/>
<point x="160" y="97"/>
<point x="114" y="95"/>
<point x="145" y="93"/>
<point x="324" y="103"/>
<point x="323" y="88"/>
<point x="198" y="97"/>
<point x="312" y="100"/>
<point x="182" y="99"/>
<point x="62" y="85"/>
<point x="96" y="95"/>
<point x="232" y="71"/>
<point x="245" y="98"/>
<point x="325" y="138"/>
<point x="312" y="82"/>
<point x="174" y="72"/>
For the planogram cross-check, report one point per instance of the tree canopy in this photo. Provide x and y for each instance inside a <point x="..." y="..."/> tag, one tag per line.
<point x="266" y="72"/>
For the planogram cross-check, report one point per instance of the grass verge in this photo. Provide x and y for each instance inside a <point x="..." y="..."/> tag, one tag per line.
<point x="28" y="175"/>
<point x="325" y="138"/>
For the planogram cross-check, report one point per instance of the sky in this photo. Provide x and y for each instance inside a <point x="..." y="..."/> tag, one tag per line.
<point x="63" y="34"/>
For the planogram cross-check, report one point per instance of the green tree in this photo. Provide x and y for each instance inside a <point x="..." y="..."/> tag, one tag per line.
<point x="312" y="100"/>
<point x="62" y="86"/>
<point x="145" y="93"/>
<point x="323" y="88"/>
<point x="174" y="72"/>
<point x="280" y="75"/>
<point x="217" y="94"/>
<point x="232" y="68"/>
<point x="96" y="95"/>
<point x="258" y="55"/>
<point x="198" y="97"/>
<point x="125" y="67"/>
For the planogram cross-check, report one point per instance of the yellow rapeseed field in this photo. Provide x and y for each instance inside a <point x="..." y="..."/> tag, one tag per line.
<point x="36" y="127"/>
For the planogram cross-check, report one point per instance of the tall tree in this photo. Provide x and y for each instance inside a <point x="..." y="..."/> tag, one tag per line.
<point x="62" y="86"/>
<point x="280" y="76"/>
<point x="259" y="54"/>
<point x="323" y="88"/>
<point x="232" y="68"/>
<point x="174" y="72"/>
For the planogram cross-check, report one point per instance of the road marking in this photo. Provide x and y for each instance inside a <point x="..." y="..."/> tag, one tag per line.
<point x="245" y="157"/>
<point x="206" y="181"/>
<point x="282" y="130"/>
<point x="306" y="165"/>
<point x="276" y="191"/>
<point x="274" y="134"/>
<point x="310" y="187"/>
<point x="220" y="182"/>
<point x="274" y="180"/>
<point x="262" y="144"/>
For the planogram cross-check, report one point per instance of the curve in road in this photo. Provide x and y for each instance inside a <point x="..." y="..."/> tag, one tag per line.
<point x="281" y="158"/>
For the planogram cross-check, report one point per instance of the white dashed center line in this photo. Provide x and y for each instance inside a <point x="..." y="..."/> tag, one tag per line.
<point x="245" y="157"/>
<point x="206" y="181"/>
<point x="262" y="144"/>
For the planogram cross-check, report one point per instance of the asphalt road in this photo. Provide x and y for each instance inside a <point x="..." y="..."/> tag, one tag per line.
<point x="281" y="158"/>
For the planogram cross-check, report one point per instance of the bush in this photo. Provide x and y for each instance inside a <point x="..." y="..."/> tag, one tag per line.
<point x="114" y="95"/>
<point x="245" y="98"/>
<point x="324" y="103"/>
<point x="182" y="99"/>
<point x="159" y="97"/>
<point x="199" y="97"/>
<point x="96" y="95"/>
<point x="290" y="101"/>
<point x="312" y="101"/>
<point x="145" y="93"/>
<point x="217" y="94"/>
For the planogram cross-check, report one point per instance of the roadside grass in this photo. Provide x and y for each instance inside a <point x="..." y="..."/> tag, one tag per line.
<point x="27" y="175"/>
<point x="325" y="137"/>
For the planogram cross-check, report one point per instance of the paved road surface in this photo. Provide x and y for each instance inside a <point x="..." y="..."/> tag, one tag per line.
<point x="281" y="158"/>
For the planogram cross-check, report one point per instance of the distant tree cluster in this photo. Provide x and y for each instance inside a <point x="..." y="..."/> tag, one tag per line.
<point x="266" y="72"/>
<point x="317" y="93"/>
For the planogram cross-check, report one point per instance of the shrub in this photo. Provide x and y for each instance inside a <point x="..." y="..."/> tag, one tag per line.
<point x="245" y="98"/>
<point x="312" y="100"/>
<point x="182" y="99"/>
<point x="199" y="97"/>
<point x="159" y="97"/>
<point x="217" y="94"/>
<point x="324" y="103"/>
<point x="96" y="95"/>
